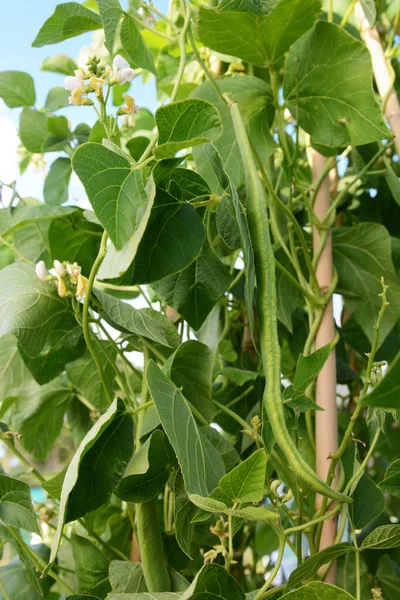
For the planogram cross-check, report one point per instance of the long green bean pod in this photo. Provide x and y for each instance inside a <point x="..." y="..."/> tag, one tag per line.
<point x="267" y="314"/>
<point x="150" y="543"/>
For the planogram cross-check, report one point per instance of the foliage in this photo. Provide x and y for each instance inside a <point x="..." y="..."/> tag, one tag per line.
<point x="176" y="474"/>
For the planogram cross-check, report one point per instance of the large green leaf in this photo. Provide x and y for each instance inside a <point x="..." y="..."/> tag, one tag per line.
<point x="64" y="344"/>
<point x="316" y="591"/>
<point x="99" y="464"/>
<point x="91" y="566"/>
<point x="388" y="575"/>
<point x="120" y="196"/>
<point x="55" y="189"/>
<point x="126" y="577"/>
<point x="328" y="85"/>
<point x="391" y="482"/>
<point x="13" y="372"/>
<point x="20" y="579"/>
<point x="245" y="483"/>
<point x="213" y="581"/>
<point x="385" y="394"/>
<point x="185" y="124"/>
<point x="362" y="255"/>
<point x="56" y="98"/>
<point x="310" y="567"/>
<point x="38" y="214"/>
<point x="368" y="502"/>
<point x="201" y="464"/>
<point x="190" y="367"/>
<point x="241" y="220"/>
<point x="111" y="13"/>
<point x="228" y="452"/>
<point x="17" y="89"/>
<point x="383" y="538"/>
<point x="134" y="46"/>
<point x="256" y="107"/>
<point x="258" y="39"/>
<point x="69" y="19"/>
<point x="255" y="513"/>
<point x="173" y="239"/>
<point x="74" y="239"/>
<point x="16" y="505"/>
<point x="148" y="471"/>
<point x="29" y="307"/>
<point x="42" y="427"/>
<point x="195" y="291"/>
<point x="83" y="374"/>
<point x="144" y="322"/>
<point x="33" y="129"/>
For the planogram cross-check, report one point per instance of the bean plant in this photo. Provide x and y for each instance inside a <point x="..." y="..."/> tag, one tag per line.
<point x="168" y="355"/>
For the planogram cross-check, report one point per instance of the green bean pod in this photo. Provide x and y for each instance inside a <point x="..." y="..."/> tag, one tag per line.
<point x="151" y="548"/>
<point x="267" y="315"/>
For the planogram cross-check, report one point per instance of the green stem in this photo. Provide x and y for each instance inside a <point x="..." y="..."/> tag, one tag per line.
<point x="275" y="84"/>
<point x="242" y="422"/>
<point x="330" y="11"/>
<point x="16" y="251"/>
<point x="4" y="591"/>
<point x="182" y="49"/>
<point x="11" y="446"/>
<point x="261" y="594"/>
<point x="229" y="556"/>
<point x="203" y="65"/>
<point x="85" y="313"/>
<point x="152" y="29"/>
<point x="348" y="13"/>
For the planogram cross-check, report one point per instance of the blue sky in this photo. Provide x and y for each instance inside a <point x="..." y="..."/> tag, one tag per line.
<point x="21" y="20"/>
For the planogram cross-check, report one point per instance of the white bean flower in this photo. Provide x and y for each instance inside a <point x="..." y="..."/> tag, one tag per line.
<point x="122" y="73"/>
<point x="75" y="83"/>
<point x="41" y="270"/>
<point x="59" y="268"/>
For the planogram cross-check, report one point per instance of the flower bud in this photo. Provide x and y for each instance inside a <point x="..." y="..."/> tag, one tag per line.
<point x="81" y="287"/>
<point x="97" y="84"/>
<point x="62" y="289"/>
<point x="41" y="270"/>
<point x="59" y="268"/>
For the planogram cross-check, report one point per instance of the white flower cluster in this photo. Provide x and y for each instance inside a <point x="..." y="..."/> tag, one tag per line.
<point x="67" y="275"/>
<point x="120" y="73"/>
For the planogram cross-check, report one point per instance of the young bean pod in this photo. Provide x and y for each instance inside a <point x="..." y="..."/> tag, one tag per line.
<point x="151" y="548"/>
<point x="267" y="315"/>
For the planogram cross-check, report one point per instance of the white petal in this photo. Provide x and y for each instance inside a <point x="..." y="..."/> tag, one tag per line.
<point x="72" y="83"/>
<point x="41" y="270"/>
<point x="60" y="269"/>
<point x="125" y="75"/>
<point x="120" y="63"/>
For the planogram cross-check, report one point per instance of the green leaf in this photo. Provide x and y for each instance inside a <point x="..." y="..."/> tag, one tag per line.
<point x="368" y="503"/>
<point x="261" y="40"/>
<point x="245" y="483"/>
<point x="108" y="447"/>
<point x="121" y="198"/>
<point x="369" y="10"/>
<point x="255" y="101"/>
<point x="16" y="505"/>
<point x="311" y="566"/>
<point x="148" y="471"/>
<point x="347" y="576"/>
<point x="316" y="591"/>
<point x="75" y="239"/>
<point x="173" y="239"/>
<point x="29" y="308"/>
<point x="194" y="291"/>
<point x="83" y="374"/>
<point x="241" y="220"/>
<point x="23" y="216"/>
<point x="213" y="581"/>
<point x="184" y="512"/>
<point x="91" y="566"/>
<point x="308" y="368"/>
<point x="57" y="98"/>
<point x="391" y="483"/>
<point x="383" y="538"/>
<point x="226" y="223"/>
<point x="55" y="189"/>
<point x="33" y="129"/>
<point x="68" y="20"/>
<point x="201" y="464"/>
<point x="13" y="372"/>
<point x="82" y="597"/>
<point x="185" y="124"/>
<point x="145" y="596"/>
<point x="385" y="393"/>
<point x="144" y="322"/>
<point x="19" y="577"/>
<point x="59" y="63"/>
<point x="228" y="452"/>
<point x="42" y="427"/>
<point x="111" y="13"/>
<point x="190" y="367"/>
<point x="134" y="46"/>
<point x="17" y="89"/>
<point x="388" y="576"/>
<point x="334" y="115"/>
<point x="208" y="504"/>
<point x="362" y="255"/>
<point x="239" y="376"/>
<point x="255" y="513"/>
<point x="126" y="577"/>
